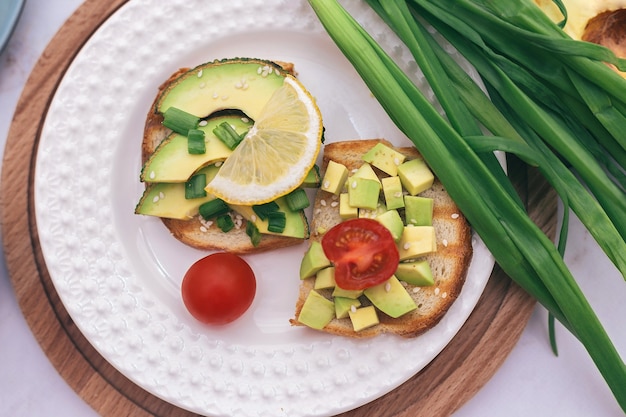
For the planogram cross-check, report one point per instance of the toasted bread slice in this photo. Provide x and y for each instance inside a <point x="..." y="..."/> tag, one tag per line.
<point x="449" y="263"/>
<point x="195" y="232"/>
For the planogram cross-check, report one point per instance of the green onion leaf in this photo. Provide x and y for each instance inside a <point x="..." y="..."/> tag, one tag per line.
<point x="179" y="120"/>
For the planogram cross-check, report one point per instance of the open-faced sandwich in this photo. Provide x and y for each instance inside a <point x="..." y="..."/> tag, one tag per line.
<point x="227" y="148"/>
<point x="389" y="249"/>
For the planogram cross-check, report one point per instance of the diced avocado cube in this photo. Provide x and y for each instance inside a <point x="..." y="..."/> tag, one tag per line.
<point x="416" y="176"/>
<point x="384" y="158"/>
<point x="325" y="278"/>
<point x="346" y="211"/>
<point x="418" y="210"/>
<point x="415" y="273"/>
<point x="366" y="171"/>
<point x="391" y="220"/>
<point x="363" y="318"/>
<point x="340" y="292"/>
<point x="317" y="311"/>
<point x="391" y="298"/>
<point x="416" y="241"/>
<point x="363" y="193"/>
<point x="335" y="177"/>
<point x="344" y="305"/>
<point x="313" y="261"/>
<point x="392" y="190"/>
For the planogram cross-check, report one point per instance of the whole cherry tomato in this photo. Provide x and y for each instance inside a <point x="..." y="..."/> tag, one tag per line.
<point x="218" y="288"/>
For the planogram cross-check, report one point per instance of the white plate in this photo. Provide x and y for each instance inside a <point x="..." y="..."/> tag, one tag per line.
<point x="119" y="274"/>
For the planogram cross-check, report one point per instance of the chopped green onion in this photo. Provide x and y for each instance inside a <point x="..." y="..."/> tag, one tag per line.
<point x="194" y="187"/>
<point x="297" y="200"/>
<point x="253" y="232"/>
<point x="213" y="208"/>
<point x="263" y="210"/>
<point x="195" y="142"/>
<point x="179" y="120"/>
<point x="225" y="223"/>
<point x="276" y="221"/>
<point x="225" y="132"/>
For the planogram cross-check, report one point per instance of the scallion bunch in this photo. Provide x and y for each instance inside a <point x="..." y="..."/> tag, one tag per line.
<point x="550" y="100"/>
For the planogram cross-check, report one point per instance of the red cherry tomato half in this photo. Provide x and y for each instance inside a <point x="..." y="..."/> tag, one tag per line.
<point x="218" y="288"/>
<point x="363" y="252"/>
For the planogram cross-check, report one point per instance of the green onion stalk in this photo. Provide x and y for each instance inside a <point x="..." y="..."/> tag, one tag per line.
<point x="461" y="160"/>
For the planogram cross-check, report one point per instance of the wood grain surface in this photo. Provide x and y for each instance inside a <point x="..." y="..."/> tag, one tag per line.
<point x="449" y="381"/>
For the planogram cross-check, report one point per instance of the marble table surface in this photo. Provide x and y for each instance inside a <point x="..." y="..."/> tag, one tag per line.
<point x="531" y="382"/>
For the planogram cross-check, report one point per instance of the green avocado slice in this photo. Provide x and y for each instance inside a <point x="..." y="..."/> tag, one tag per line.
<point x="172" y="162"/>
<point x="240" y="83"/>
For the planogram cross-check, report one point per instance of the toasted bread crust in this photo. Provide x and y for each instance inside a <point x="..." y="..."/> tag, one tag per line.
<point x="193" y="232"/>
<point x="449" y="263"/>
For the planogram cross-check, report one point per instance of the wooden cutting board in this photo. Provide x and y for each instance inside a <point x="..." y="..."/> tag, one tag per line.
<point x="449" y="381"/>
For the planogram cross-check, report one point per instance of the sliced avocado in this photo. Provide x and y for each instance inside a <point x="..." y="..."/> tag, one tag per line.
<point x="296" y="223"/>
<point x="392" y="190"/>
<point x="344" y="305"/>
<point x="313" y="178"/>
<point x="415" y="273"/>
<point x="313" y="261"/>
<point x="418" y="210"/>
<point x="363" y="193"/>
<point x="171" y="161"/>
<point x="384" y="158"/>
<point x="168" y="199"/>
<point x="325" y="279"/>
<point x="317" y="311"/>
<point x="363" y="318"/>
<point x="239" y="83"/>
<point x="416" y="241"/>
<point x="334" y="177"/>
<point x="391" y="298"/>
<point x="416" y="176"/>
<point x="393" y="222"/>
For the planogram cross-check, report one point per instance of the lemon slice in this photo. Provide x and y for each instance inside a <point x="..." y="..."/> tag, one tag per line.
<point x="278" y="151"/>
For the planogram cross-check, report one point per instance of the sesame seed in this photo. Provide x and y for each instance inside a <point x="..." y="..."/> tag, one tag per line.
<point x="353" y="308"/>
<point x="200" y="73"/>
<point x="455" y="215"/>
<point x="202" y="85"/>
<point x="326" y="184"/>
<point x="396" y="161"/>
<point x="406" y="246"/>
<point x="445" y="242"/>
<point x="155" y="199"/>
<point x="323" y="203"/>
<point x="161" y="195"/>
<point x="416" y="289"/>
<point x="387" y="287"/>
<point x="215" y="95"/>
<point x="245" y="86"/>
<point x="437" y="291"/>
<point x="444" y="295"/>
<point x="245" y="119"/>
<point x="219" y="163"/>
<point x="397" y="194"/>
<point x="238" y="85"/>
<point x="334" y="204"/>
<point x="152" y="175"/>
<point x="353" y="185"/>
<point x="203" y="229"/>
<point x="203" y="123"/>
